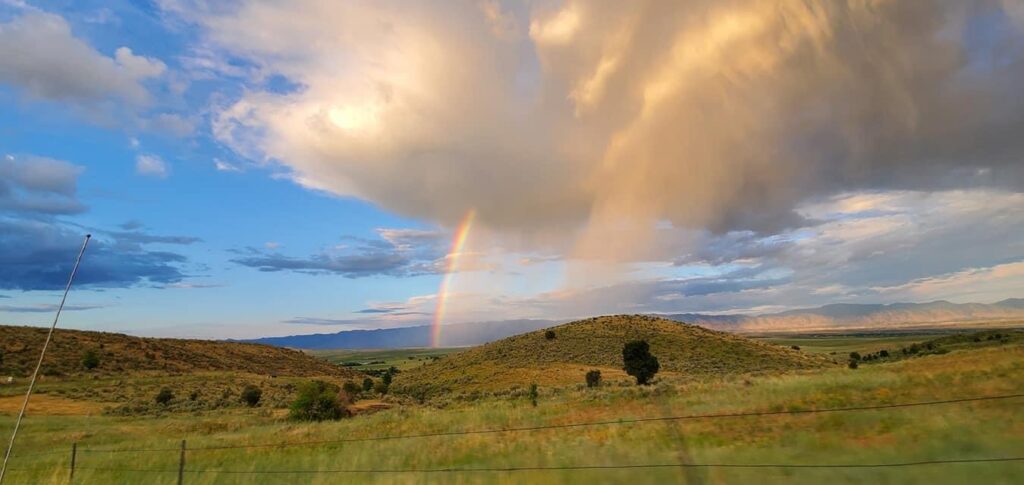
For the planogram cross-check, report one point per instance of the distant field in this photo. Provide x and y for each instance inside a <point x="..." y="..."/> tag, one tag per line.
<point x="383" y="359"/>
<point x="844" y="344"/>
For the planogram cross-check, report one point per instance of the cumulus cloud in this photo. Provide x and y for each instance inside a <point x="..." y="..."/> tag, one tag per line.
<point x="43" y="57"/>
<point x="602" y="119"/>
<point x="151" y="165"/>
<point x="38" y="185"/>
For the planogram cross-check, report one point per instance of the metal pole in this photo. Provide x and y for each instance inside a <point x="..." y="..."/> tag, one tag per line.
<point x="49" y="336"/>
<point x="74" y="451"/>
<point x="181" y="464"/>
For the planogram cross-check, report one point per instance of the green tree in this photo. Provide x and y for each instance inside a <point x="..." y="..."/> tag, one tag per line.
<point x="533" y="394"/>
<point x="90" y="359"/>
<point x="854" y="355"/>
<point x="367" y="384"/>
<point x="638" y="362"/>
<point x="251" y="395"/>
<point x="351" y="387"/>
<point x="390" y="374"/>
<point x="317" y="401"/>
<point x="594" y="378"/>
<point x="164" y="396"/>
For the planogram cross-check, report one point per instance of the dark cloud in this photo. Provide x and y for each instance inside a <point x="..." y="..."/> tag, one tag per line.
<point x="39" y="255"/>
<point x="48" y="308"/>
<point x="37" y="249"/>
<point x="398" y="252"/>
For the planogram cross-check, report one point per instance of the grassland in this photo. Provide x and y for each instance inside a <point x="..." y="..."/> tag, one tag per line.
<point x="966" y="430"/>
<point x="683" y="350"/>
<point x="203" y="375"/>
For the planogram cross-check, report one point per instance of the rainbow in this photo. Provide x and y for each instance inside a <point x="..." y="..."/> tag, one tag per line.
<point x="458" y="243"/>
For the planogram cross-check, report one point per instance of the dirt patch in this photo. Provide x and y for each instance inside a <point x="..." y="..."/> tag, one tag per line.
<point x="368" y="406"/>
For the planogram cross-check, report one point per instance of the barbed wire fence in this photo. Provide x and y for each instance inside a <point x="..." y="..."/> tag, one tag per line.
<point x="183" y="450"/>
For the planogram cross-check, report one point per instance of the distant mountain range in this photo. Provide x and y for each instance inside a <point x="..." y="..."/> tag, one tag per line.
<point x="836" y="317"/>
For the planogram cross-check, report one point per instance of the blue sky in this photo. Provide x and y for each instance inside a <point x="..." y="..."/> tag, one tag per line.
<point x="255" y="168"/>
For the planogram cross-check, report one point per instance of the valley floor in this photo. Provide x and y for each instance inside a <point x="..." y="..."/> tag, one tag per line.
<point x="968" y="430"/>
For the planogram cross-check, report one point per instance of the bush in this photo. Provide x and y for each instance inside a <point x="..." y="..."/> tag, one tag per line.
<point x="381" y="387"/>
<point x="533" y="394"/>
<point x="251" y="395"/>
<point x="794" y="347"/>
<point x="164" y="396"/>
<point x="90" y="359"/>
<point x="367" y="384"/>
<point x="853" y="364"/>
<point x="854" y="355"/>
<point x="351" y="387"/>
<point x="883" y="353"/>
<point x="594" y="378"/>
<point x="638" y="362"/>
<point x="549" y="335"/>
<point x="389" y="375"/>
<point x="317" y="401"/>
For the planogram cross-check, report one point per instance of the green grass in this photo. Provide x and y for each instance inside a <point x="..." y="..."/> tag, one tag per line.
<point x="968" y="430"/>
<point x="383" y="359"/>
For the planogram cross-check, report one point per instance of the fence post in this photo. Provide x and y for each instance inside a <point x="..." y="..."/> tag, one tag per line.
<point x="181" y="464"/>
<point x="74" y="453"/>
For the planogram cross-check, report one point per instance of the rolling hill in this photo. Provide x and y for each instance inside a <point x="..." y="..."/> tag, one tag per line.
<point x="120" y="354"/>
<point x="682" y="349"/>
<point x="835" y="317"/>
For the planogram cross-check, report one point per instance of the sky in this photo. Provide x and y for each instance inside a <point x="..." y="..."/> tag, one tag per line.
<point x="259" y="168"/>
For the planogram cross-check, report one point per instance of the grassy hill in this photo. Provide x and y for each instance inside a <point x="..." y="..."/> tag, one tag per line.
<point x="120" y="354"/>
<point x="682" y="349"/>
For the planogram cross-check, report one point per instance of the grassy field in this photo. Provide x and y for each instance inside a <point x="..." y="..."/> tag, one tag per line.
<point x="965" y="430"/>
<point x="383" y="358"/>
<point x="844" y="344"/>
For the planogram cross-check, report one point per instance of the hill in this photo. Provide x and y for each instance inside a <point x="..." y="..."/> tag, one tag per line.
<point x="835" y="317"/>
<point x="683" y="349"/>
<point x="120" y="354"/>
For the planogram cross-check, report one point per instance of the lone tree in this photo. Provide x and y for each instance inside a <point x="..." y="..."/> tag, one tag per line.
<point x="317" y="401"/>
<point x="638" y="362"/>
<point x="90" y="359"/>
<point x="164" y="396"/>
<point x="251" y="395"/>
<point x="533" y="394"/>
<point x="594" y="378"/>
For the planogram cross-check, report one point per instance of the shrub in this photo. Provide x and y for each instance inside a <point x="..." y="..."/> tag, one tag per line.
<point x="351" y="387"/>
<point x="192" y="396"/>
<point x="594" y="378"/>
<point x="638" y="362"/>
<point x="533" y="394"/>
<point x="794" y="347"/>
<point x="90" y="359"/>
<point x="367" y="384"/>
<point x="853" y="364"/>
<point x="164" y="396"/>
<point x="883" y="353"/>
<point x="251" y="395"/>
<point x="854" y="355"/>
<point x="317" y="401"/>
<point x="549" y="335"/>
<point x="389" y="375"/>
<point x="381" y="387"/>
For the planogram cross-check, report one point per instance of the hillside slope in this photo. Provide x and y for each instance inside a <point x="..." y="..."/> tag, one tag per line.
<point x="120" y="354"/>
<point x="597" y="343"/>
